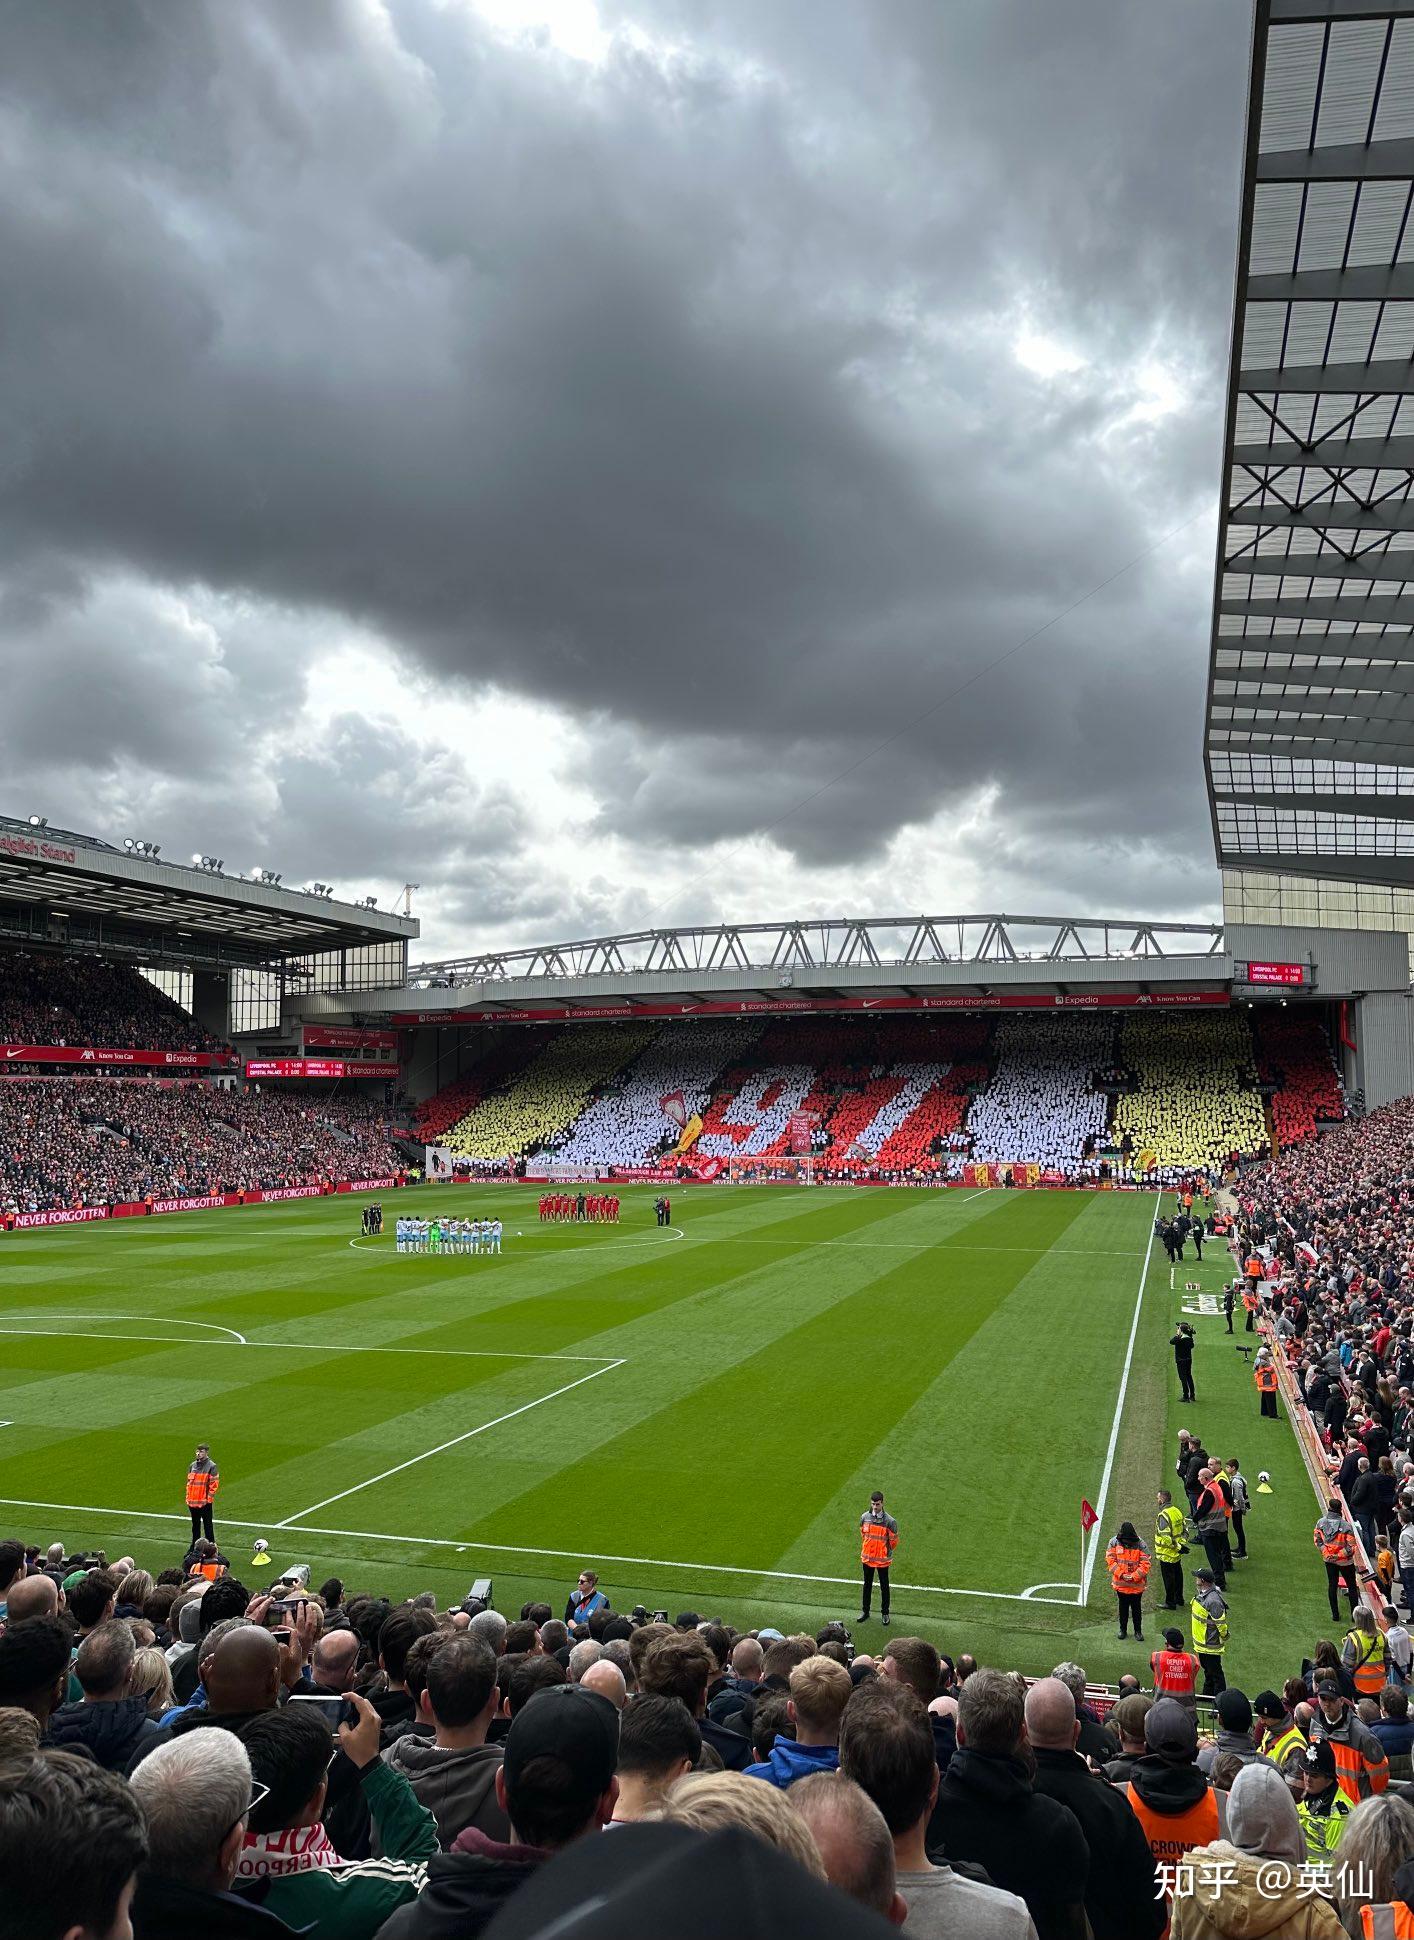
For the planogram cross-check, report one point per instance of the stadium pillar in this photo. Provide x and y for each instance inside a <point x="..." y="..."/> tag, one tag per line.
<point x="211" y="1002"/>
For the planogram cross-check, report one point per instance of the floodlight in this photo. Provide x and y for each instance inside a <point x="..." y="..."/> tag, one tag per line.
<point x="39" y="821"/>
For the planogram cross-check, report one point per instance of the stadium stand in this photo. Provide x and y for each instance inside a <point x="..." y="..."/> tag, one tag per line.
<point x="80" y="1000"/>
<point x="1194" y="1100"/>
<point x="1041" y="1105"/>
<point x="544" y="1100"/>
<point x="98" y="1141"/>
<point x="440" y="1114"/>
<point x="1294" y="1054"/>
<point x="626" y="1124"/>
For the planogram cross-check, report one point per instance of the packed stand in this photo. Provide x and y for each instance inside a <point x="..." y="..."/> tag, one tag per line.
<point x="81" y="1001"/>
<point x="1040" y="1106"/>
<point x="250" y="1762"/>
<point x="626" y="1124"/>
<point x="1294" y="1056"/>
<point x="540" y="1103"/>
<point x="440" y="1114"/>
<point x="104" y="1141"/>
<point x="1195" y="1099"/>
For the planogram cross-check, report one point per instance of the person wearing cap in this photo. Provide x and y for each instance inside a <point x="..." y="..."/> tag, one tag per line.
<point x="878" y="1534"/>
<point x="1127" y="1561"/>
<point x="1234" y="1733"/>
<point x="555" y="1784"/>
<point x="1279" y="1737"/>
<point x="1361" y="1766"/>
<point x="1208" y="1615"/>
<point x="203" y="1480"/>
<point x="1170" y="1547"/>
<point x="1322" y="1807"/>
<point x="1171" y="1798"/>
<point x="1128" y="1719"/>
<point x="1252" y="1883"/>
<point x="1335" y="1539"/>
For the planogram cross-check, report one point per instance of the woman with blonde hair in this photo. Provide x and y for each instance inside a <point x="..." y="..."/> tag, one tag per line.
<point x="152" y="1677"/>
<point x="708" y="1801"/>
<point x="1377" y="1840"/>
<point x="133" y="1591"/>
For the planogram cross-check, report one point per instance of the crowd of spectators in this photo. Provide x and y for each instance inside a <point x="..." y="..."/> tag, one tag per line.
<point x="1039" y="1108"/>
<point x="101" y="1141"/>
<point x="1195" y="1099"/>
<point x="245" y="1763"/>
<point x="82" y="1001"/>
<point x="626" y="1123"/>
<point x="546" y="1097"/>
<point x="905" y="1095"/>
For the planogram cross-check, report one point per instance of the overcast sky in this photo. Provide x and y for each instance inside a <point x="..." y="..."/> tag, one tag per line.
<point x="541" y="449"/>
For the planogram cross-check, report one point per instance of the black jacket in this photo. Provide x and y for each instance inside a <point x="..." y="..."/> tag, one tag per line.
<point x="116" y="1734"/>
<point x="1120" y="1897"/>
<point x="988" y="1813"/>
<point x="464" y="1893"/>
<point x="733" y="1750"/>
<point x="1182" y="1345"/>
<point x="167" y="1909"/>
<point x="1363" y="1494"/>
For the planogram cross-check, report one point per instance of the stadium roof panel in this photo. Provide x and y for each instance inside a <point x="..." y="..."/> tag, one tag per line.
<point x="1319" y="456"/>
<point x="59" y="885"/>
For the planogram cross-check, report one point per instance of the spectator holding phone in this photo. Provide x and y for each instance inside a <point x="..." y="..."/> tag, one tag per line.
<point x="304" y="1880"/>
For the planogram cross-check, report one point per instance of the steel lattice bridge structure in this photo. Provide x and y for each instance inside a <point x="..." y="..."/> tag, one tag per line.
<point x="832" y="943"/>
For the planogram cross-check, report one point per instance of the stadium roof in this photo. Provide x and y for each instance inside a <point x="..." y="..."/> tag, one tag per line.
<point x="1310" y="739"/>
<point x="58" y="886"/>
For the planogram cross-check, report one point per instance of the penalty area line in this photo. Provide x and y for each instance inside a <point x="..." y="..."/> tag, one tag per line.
<point x="572" y="1555"/>
<point x="455" y="1442"/>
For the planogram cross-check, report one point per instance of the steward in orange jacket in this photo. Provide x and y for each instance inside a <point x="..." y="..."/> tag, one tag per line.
<point x="1128" y="1563"/>
<point x="203" y="1480"/>
<point x="878" y="1539"/>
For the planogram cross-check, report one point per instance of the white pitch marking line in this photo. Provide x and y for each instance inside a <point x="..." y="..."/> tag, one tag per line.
<point x="306" y="1346"/>
<point x="1094" y="1545"/>
<point x="1033" y="1594"/>
<point x="520" y="1549"/>
<point x="455" y="1442"/>
<point x="55" y="1313"/>
<point x="976" y="1195"/>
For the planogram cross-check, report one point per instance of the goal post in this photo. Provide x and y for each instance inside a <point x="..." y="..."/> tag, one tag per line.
<point x="773" y="1171"/>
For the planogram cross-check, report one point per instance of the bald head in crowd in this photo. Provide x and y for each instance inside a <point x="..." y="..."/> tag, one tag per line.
<point x="608" y="1680"/>
<point x="244" y="1674"/>
<point x="1051" y="1722"/>
<point x="855" y="1845"/>
<point x="747" y="1659"/>
<point x="335" y="1660"/>
<point x="35" y="1596"/>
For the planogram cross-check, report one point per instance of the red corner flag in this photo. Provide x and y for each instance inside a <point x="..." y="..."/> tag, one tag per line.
<point x="1088" y="1518"/>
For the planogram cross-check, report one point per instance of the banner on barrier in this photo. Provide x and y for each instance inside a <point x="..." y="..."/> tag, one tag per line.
<point x="794" y="1006"/>
<point x="348" y="1037"/>
<point x="72" y="1216"/>
<point x="98" y="1054"/>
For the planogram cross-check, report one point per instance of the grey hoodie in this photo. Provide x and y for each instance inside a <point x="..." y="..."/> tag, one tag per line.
<point x="457" y="1787"/>
<point x="1238" y="1742"/>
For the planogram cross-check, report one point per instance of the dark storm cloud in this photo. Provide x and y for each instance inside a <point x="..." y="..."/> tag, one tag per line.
<point x="677" y="390"/>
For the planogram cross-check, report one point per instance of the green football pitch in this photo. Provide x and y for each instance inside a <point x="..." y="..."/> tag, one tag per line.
<point x="699" y="1412"/>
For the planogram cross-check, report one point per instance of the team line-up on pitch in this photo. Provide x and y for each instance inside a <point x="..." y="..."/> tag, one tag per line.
<point x="448" y="1235"/>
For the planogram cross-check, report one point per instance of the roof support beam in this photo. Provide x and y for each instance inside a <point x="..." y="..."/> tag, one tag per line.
<point x="1376" y="161"/>
<point x="1336" y="515"/>
<point x="1390" y="377"/>
<point x="1361" y="283"/>
<point x="1375" y="562"/>
<point x="1384" y="609"/>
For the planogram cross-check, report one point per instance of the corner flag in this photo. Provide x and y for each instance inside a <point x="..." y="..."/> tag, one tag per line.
<point x="1088" y="1518"/>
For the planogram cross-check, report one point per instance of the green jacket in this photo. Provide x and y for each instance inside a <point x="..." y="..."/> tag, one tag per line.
<point x="352" y="1901"/>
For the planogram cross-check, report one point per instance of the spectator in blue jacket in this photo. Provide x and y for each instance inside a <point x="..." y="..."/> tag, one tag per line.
<point x="819" y="1691"/>
<point x="586" y="1599"/>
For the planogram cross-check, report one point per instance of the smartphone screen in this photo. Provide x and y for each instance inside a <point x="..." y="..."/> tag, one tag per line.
<point x="333" y="1709"/>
